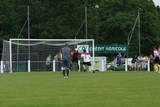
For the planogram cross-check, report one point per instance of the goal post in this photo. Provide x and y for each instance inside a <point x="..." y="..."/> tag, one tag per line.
<point x="30" y="54"/>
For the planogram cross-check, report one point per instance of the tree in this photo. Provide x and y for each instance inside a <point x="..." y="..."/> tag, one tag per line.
<point x="62" y="19"/>
<point x="118" y="17"/>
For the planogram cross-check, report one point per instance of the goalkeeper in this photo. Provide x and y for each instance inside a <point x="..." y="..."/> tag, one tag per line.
<point x="75" y="57"/>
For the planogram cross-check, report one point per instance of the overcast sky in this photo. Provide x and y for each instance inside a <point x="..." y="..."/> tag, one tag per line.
<point x="157" y="2"/>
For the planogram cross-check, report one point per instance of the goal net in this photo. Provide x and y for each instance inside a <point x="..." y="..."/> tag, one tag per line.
<point x="30" y="54"/>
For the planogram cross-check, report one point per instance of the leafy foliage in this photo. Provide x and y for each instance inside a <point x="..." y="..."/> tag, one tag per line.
<point x="110" y="23"/>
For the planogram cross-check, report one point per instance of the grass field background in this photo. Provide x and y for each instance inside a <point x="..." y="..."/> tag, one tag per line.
<point x="102" y="89"/>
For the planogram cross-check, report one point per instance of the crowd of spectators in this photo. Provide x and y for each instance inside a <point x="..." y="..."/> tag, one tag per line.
<point x="140" y="63"/>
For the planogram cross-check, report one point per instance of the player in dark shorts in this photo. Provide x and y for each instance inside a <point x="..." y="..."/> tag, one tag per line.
<point x="75" y="57"/>
<point x="86" y="58"/>
<point x="66" y="57"/>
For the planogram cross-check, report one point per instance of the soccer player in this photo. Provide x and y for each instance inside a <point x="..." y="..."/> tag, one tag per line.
<point x="86" y="59"/>
<point x="75" y="57"/>
<point x="66" y="56"/>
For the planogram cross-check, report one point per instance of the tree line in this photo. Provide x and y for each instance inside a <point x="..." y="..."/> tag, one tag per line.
<point x="109" y="21"/>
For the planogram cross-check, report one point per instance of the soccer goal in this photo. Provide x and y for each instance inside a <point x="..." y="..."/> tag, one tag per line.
<point x="30" y="54"/>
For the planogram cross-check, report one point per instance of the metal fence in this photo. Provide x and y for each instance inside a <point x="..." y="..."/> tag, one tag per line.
<point x="102" y="66"/>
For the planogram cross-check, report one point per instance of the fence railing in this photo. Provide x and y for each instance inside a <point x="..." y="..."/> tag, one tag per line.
<point x="33" y="66"/>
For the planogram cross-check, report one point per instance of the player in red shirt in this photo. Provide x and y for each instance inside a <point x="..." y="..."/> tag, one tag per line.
<point x="75" y="55"/>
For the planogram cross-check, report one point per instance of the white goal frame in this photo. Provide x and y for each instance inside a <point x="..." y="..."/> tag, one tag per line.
<point x="29" y="40"/>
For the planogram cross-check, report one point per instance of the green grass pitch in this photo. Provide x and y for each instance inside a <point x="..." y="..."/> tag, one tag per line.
<point x="102" y="89"/>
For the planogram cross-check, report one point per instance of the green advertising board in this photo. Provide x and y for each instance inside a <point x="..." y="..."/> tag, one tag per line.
<point x="120" y="48"/>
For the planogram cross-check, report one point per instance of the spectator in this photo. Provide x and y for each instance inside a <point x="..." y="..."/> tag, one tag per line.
<point x="139" y="62"/>
<point x="156" y="63"/>
<point x="133" y="65"/>
<point x="58" y="61"/>
<point x="151" y="62"/>
<point x="48" y="63"/>
<point x="119" y="60"/>
<point x="144" y="62"/>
